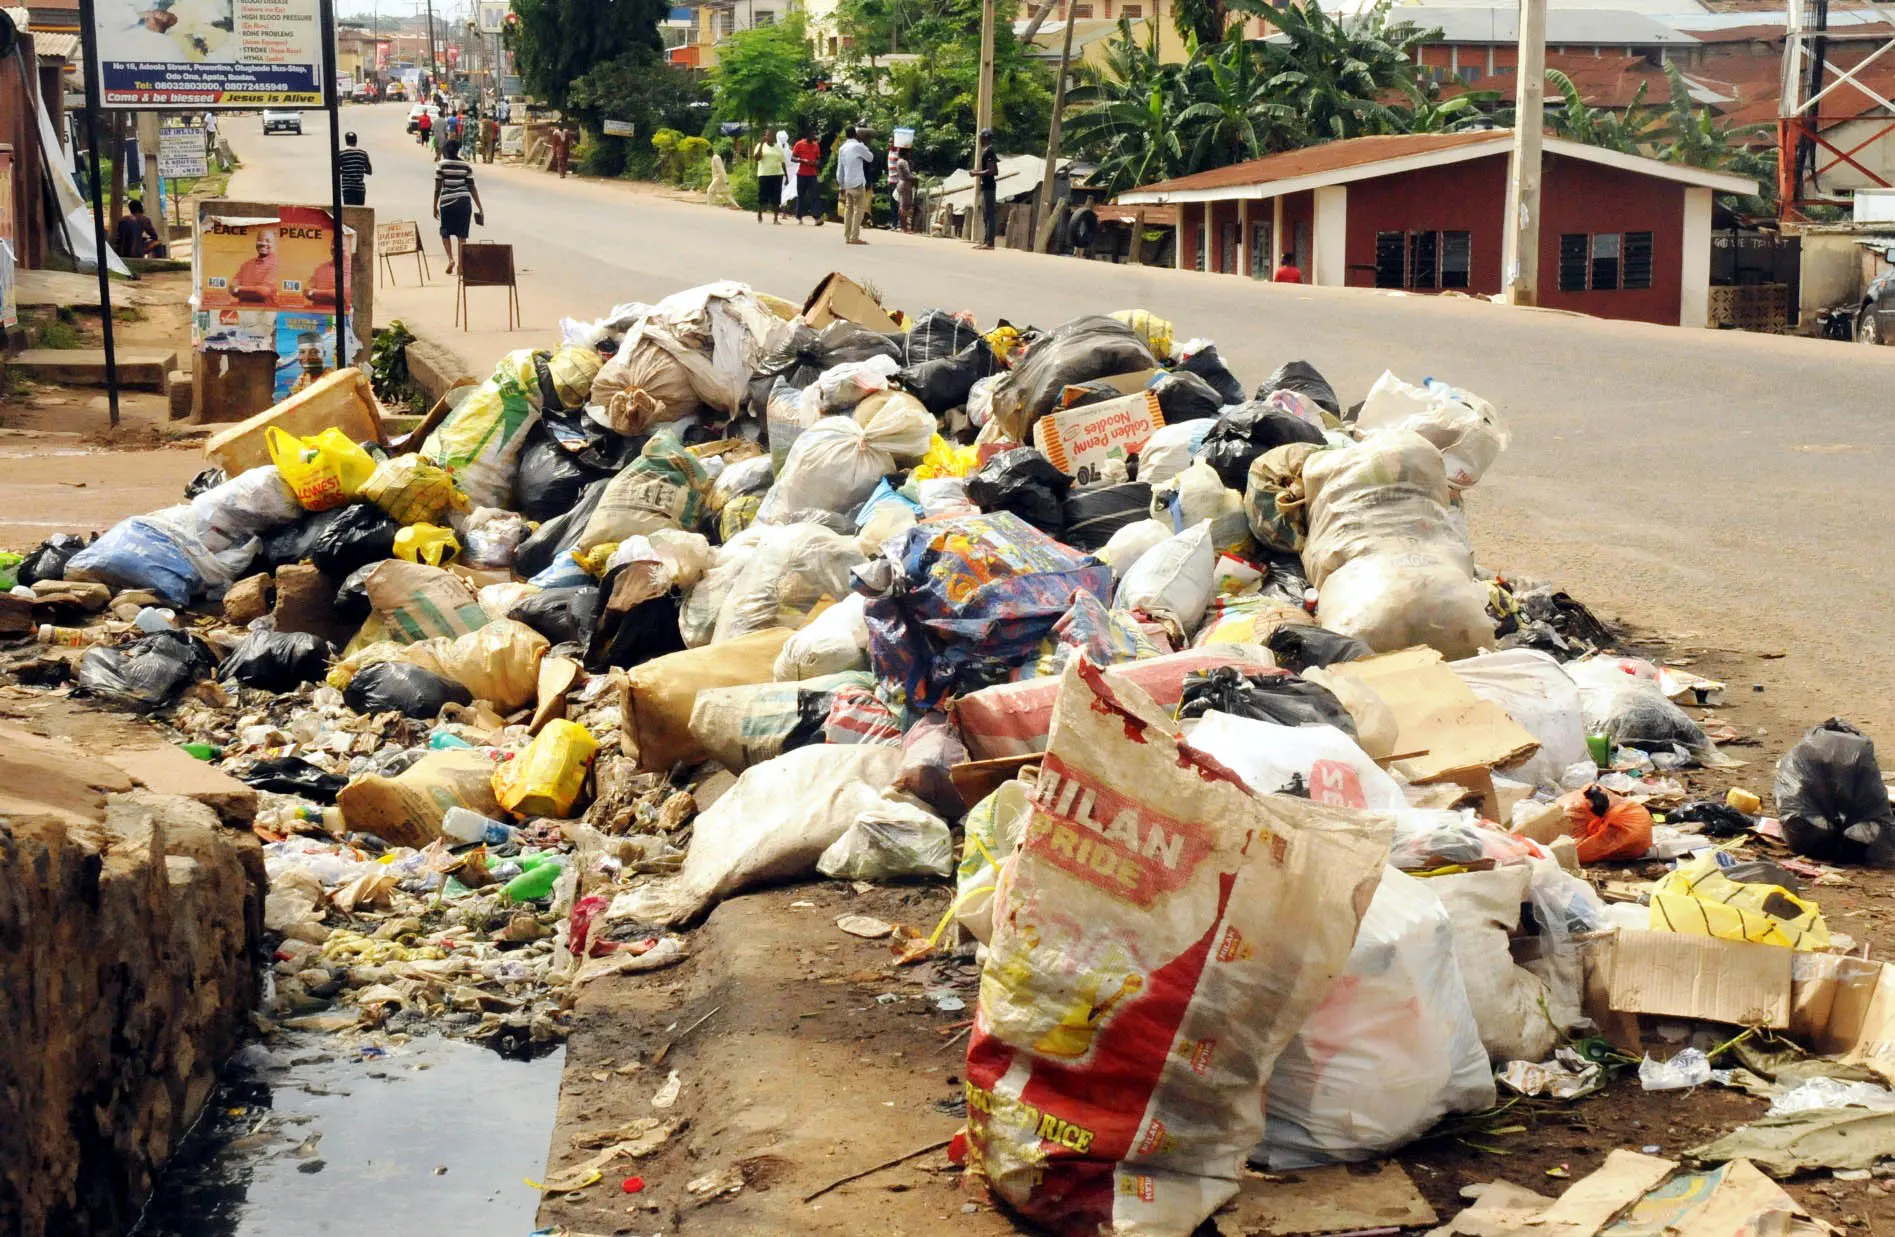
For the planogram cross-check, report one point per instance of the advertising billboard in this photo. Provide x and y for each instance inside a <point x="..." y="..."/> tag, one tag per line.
<point x="208" y="53"/>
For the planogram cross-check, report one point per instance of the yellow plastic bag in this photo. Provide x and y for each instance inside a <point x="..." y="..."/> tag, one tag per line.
<point x="946" y="459"/>
<point x="1148" y="326"/>
<point x="324" y="470"/>
<point x="546" y="778"/>
<point x="427" y="543"/>
<point x="413" y="489"/>
<point x="1699" y="900"/>
<point x="595" y="559"/>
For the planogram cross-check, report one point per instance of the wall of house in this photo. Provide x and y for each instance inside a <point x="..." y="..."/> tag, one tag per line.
<point x="1461" y="197"/>
<point x="1586" y="197"/>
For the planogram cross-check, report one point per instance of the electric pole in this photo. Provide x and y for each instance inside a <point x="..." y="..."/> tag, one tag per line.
<point x="1520" y="258"/>
<point x="984" y="101"/>
<point x="434" y="70"/>
<point x="1043" y="202"/>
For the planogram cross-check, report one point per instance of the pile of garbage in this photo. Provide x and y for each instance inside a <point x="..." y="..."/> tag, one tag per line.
<point x="1246" y="779"/>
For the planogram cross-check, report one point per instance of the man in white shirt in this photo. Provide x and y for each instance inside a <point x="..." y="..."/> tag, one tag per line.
<point x="852" y="178"/>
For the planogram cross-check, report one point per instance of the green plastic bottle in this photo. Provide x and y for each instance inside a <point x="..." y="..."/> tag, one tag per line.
<point x="537" y="881"/>
<point x="203" y="751"/>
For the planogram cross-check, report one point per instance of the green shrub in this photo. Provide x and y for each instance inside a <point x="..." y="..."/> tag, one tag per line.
<point x="743" y="185"/>
<point x="640" y="164"/>
<point x="599" y="155"/>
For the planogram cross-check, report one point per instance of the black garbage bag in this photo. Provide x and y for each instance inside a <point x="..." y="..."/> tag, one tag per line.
<point x="562" y="615"/>
<point x="1187" y="397"/>
<point x="942" y="384"/>
<point x="277" y="661"/>
<point x="799" y="354"/>
<point x="937" y="334"/>
<point x="1713" y="817"/>
<point x="48" y="560"/>
<point x="1280" y="698"/>
<point x="1283" y="578"/>
<point x="634" y="636"/>
<point x="1076" y="352"/>
<point x="1092" y="516"/>
<point x="147" y="673"/>
<point x="294" y="542"/>
<point x="292" y="775"/>
<point x="352" y="604"/>
<point x="409" y="690"/>
<point x="558" y="463"/>
<point x="360" y="533"/>
<point x="1206" y="364"/>
<point x="1026" y="483"/>
<point x="1831" y="799"/>
<point x="1244" y="433"/>
<point x="1302" y="378"/>
<point x="556" y="536"/>
<point x="1296" y="647"/>
<point x="209" y="479"/>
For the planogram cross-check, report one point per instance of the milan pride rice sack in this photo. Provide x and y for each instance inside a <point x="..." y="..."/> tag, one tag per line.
<point x="1158" y="937"/>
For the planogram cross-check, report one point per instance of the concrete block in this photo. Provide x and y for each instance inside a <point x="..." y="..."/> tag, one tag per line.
<point x="173" y="771"/>
<point x="178" y="391"/>
<point x="140" y="369"/>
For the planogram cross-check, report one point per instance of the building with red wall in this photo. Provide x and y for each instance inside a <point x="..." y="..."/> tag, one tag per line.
<point x="1621" y="236"/>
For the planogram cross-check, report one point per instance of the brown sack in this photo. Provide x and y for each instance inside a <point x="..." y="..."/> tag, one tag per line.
<point x="407" y="810"/>
<point x="660" y="693"/>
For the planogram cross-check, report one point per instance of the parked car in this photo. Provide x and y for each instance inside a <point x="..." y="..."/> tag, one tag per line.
<point x="1875" y="321"/>
<point x="397" y="92"/>
<point x="364" y="92"/>
<point x="283" y="119"/>
<point x="415" y="114"/>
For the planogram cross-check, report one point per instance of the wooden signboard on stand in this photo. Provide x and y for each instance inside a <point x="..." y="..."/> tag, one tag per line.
<point x="401" y="236"/>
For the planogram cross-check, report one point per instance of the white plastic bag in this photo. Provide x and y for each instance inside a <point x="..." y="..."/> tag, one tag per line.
<point x="492" y="537"/>
<point x="1507" y="999"/>
<point x="1390" y="565"/>
<point x="1129" y="544"/>
<point x="1328" y="763"/>
<point x="1169" y="450"/>
<point x="897" y="839"/>
<point x="835" y="464"/>
<point x="842" y="387"/>
<point x="992" y="831"/>
<point x="1391" y="1050"/>
<point x="248" y="505"/>
<point x="1172" y="582"/>
<point x="771" y="826"/>
<point x="834" y="641"/>
<point x="1538" y="694"/>
<point x="1463" y="426"/>
<point x="768" y="576"/>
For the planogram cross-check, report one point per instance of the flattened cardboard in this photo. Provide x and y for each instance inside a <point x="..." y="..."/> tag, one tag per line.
<point x="1079" y="441"/>
<point x="1124" y="384"/>
<point x="1601" y="1197"/>
<point x="1873" y="1029"/>
<point x="1336" y="1198"/>
<point x="1700" y="977"/>
<point x="1436" y="713"/>
<point x="839" y="298"/>
<point x="1503" y="1209"/>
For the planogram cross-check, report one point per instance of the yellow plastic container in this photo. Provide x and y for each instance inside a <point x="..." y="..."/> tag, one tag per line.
<point x="546" y="778"/>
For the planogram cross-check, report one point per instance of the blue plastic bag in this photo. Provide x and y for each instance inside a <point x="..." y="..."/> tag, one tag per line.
<point x="139" y="553"/>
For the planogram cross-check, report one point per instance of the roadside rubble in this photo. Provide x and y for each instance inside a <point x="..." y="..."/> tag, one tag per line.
<point x="1278" y="832"/>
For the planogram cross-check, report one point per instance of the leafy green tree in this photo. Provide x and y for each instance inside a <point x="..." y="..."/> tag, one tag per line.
<point x="1126" y="119"/>
<point x="1428" y="112"/>
<point x="1230" y="111"/>
<point x="557" y="42"/>
<point x="761" y="72"/>
<point x="1335" y="71"/>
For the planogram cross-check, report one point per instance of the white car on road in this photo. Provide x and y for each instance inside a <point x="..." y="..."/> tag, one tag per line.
<point x="282" y="118"/>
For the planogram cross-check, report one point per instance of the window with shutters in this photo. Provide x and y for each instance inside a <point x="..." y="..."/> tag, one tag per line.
<point x="1457" y="259"/>
<point x="1423" y="261"/>
<point x="1082" y="12"/>
<point x="1391" y="254"/>
<point x="1605" y="261"/>
<point x="1132" y="12"/>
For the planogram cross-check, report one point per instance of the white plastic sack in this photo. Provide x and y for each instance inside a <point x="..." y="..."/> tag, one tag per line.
<point x="992" y="831"/>
<point x="943" y="496"/>
<point x="835" y="464"/>
<point x="834" y="641"/>
<point x="771" y="826"/>
<point x="1172" y="582"/>
<point x="1390" y="566"/>
<point x="1538" y="694"/>
<point x="1391" y="1050"/>
<point x="492" y="536"/>
<point x="248" y="505"/>
<point x="1129" y="544"/>
<point x="768" y="576"/>
<point x="842" y="387"/>
<point x="1169" y="450"/>
<point x="1463" y="426"/>
<point x="1484" y="909"/>
<point x="1268" y="757"/>
<point x="897" y="839"/>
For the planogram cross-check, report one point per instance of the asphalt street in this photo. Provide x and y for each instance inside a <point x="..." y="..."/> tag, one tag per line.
<point x="1724" y="488"/>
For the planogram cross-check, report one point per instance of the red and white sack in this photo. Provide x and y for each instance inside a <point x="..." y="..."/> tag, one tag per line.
<point x="1160" y="934"/>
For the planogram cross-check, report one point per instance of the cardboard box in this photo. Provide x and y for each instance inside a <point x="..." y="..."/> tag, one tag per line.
<point x="1124" y="384"/>
<point x="1439" y="715"/>
<point x="839" y="298"/>
<point x="1704" y="978"/>
<point x="1079" y="441"/>
<point x="343" y="400"/>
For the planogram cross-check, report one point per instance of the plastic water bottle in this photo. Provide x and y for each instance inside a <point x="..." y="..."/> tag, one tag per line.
<point x="441" y="740"/>
<point x="465" y="825"/>
<point x="537" y="881"/>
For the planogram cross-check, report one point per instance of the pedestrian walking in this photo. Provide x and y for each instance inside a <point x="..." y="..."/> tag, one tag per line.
<point x="901" y="182"/>
<point x="852" y="178"/>
<point x="562" y="149"/>
<point x="986" y="174"/>
<point x="808" y="156"/>
<point x="456" y="200"/>
<point x="770" y="166"/>
<point x="489" y="138"/>
<point x="355" y="168"/>
<point x="424" y="127"/>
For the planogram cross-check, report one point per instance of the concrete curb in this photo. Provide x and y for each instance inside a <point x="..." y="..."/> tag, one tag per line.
<point x="436" y="368"/>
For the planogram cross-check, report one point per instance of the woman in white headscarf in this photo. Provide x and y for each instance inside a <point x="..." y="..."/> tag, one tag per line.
<point x="788" y="195"/>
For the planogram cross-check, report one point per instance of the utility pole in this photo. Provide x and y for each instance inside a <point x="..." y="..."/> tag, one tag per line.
<point x="1520" y="257"/>
<point x="434" y="70"/>
<point x="984" y="101"/>
<point x="148" y="147"/>
<point x="1043" y="202"/>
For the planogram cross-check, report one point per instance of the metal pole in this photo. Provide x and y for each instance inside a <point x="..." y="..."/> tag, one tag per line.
<point x="88" y="27"/>
<point x="434" y="70"/>
<point x="327" y="17"/>
<point x="1043" y="200"/>
<point x="1520" y="261"/>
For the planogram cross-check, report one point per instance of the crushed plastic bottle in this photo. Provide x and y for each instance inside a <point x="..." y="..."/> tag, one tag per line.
<point x="539" y="873"/>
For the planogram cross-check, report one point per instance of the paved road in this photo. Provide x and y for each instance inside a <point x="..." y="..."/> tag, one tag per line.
<point x="1730" y="487"/>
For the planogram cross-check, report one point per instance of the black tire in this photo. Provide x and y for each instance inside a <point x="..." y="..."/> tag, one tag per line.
<point x="1868" y="327"/>
<point x="1083" y="228"/>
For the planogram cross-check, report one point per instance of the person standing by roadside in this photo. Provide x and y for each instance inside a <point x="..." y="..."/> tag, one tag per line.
<point x="355" y="168"/>
<point x="456" y="200"/>
<point x="562" y="149"/>
<point x="986" y="176"/>
<point x="901" y="181"/>
<point x="769" y="161"/>
<point x="489" y="137"/>
<point x="424" y="126"/>
<point x="852" y="178"/>
<point x="808" y="157"/>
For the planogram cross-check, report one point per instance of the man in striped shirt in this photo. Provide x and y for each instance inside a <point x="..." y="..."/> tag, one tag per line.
<point x="456" y="199"/>
<point x="355" y="172"/>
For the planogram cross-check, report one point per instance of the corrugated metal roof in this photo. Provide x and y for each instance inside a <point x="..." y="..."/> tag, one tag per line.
<point x="1600" y="27"/>
<point x="50" y="46"/>
<point x="1329" y="157"/>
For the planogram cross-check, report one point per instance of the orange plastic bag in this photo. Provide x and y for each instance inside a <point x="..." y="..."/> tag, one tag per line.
<point x="1606" y="825"/>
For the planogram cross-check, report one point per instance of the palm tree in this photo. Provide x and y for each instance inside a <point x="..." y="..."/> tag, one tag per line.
<point x="1626" y="132"/>
<point x="1127" y="118"/>
<point x="1230" y="114"/>
<point x="1334" y="71"/>
<point x="1427" y="112"/>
